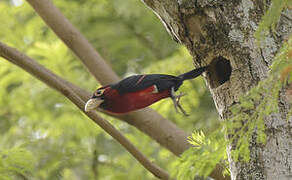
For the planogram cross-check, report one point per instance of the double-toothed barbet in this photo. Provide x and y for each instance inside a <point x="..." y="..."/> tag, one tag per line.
<point x="139" y="91"/>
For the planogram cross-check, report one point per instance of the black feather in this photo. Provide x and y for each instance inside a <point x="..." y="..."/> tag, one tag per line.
<point x="163" y="82"/>
<point x="193" y="73"/>
<point x="138" y="82"/>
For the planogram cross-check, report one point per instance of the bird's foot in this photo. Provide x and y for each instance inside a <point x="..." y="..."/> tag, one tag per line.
<point x="176" y="99"/>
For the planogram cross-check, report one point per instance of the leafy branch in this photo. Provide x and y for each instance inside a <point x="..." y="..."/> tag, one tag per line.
<point x="53" y="81"/>
<point x="245" y="122"/>
<point x="148" y="121"/>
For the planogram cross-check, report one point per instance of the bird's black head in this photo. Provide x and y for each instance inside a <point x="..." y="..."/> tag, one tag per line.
<point x="97" y="98"/>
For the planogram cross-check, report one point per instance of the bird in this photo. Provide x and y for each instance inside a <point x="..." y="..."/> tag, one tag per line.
<point x="139" y="91"/>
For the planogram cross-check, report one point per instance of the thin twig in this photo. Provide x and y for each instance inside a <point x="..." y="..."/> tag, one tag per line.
<point x="36" y="70"/>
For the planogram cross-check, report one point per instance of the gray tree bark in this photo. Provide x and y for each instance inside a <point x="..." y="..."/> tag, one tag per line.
<point x="221" y="33"/>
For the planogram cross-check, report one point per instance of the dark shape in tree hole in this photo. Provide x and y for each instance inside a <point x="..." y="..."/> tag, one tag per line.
<point x="219" y="71"/>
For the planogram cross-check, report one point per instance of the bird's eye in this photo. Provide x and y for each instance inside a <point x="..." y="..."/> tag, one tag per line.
<point x="99" y="92"/>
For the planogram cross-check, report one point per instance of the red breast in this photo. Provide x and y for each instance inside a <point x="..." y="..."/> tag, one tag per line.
<point x="123" y="103"/>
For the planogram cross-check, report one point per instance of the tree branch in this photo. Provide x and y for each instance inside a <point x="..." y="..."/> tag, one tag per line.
<point x="153" y="124"/>
<point x="50" y="79"/>
<point x="74" y="40"/>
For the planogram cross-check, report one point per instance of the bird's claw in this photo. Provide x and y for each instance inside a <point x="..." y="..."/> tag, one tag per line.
<point x="176" y="103"/>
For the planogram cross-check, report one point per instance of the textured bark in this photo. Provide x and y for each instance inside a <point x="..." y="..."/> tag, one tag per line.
<point x="217" y="29"/>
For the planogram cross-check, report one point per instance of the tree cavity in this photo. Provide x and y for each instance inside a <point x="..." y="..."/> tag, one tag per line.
<point x="219" y="71"/>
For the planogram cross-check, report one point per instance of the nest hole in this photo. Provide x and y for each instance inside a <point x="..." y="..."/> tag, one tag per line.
<point x="219" y="71"/>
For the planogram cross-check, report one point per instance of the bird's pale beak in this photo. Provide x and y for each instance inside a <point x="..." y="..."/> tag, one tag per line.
<point x="92" y="104"/>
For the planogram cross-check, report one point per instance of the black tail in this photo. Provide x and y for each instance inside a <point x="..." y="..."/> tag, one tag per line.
<point x="193" y="73"/>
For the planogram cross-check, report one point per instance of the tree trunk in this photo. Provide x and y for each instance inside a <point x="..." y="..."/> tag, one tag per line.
<point x="221" y="33"/>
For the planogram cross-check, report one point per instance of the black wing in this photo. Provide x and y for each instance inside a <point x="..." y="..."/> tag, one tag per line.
<point x="140" y="82"/>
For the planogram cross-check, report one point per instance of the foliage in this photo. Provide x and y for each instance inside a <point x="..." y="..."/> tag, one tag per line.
<point x="16" y="162"/>
<point x="246" y="121"/>
<point x="271" y="18"/>
<point x="43" y="136"/>
<point x="35" y="120"/>
<point x="201" y="159"/>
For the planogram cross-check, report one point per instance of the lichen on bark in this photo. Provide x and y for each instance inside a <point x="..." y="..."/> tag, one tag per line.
<point x="217" y="28"/>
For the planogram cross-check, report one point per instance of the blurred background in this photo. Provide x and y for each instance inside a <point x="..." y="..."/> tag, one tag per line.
<point x="44" y="136"/>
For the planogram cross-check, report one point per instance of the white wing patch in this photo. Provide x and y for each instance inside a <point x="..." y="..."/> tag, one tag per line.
<point x="155" y="89"/>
